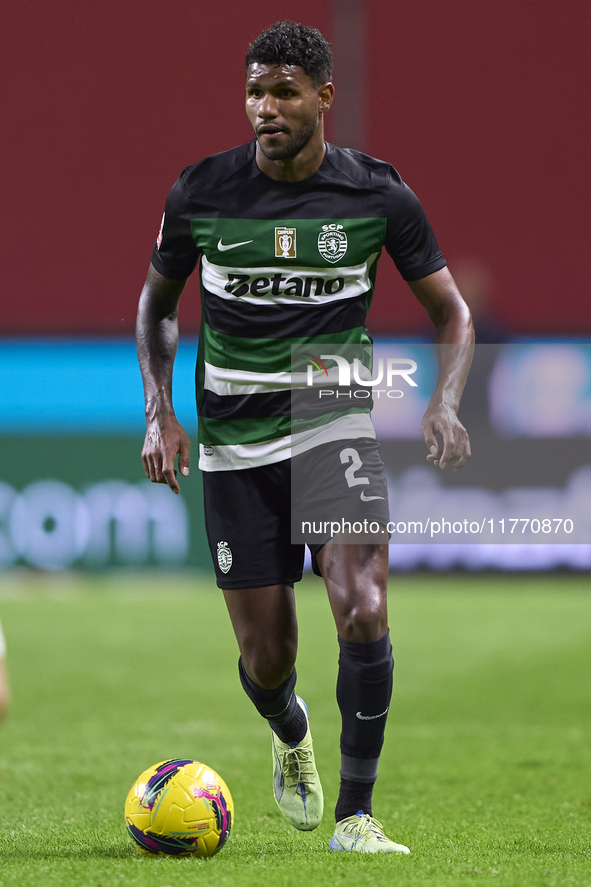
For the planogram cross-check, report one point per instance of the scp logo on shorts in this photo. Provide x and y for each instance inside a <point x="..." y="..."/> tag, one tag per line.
<point x="224" y="557"/>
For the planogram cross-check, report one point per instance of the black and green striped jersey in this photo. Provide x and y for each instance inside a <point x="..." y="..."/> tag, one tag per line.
<point x="282" y="264"/>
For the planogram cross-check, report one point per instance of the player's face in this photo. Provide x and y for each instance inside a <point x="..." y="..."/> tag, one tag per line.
<point x="284" y="108"/>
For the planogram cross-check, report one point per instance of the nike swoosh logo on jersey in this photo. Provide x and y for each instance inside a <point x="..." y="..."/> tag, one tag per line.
<point x="370" y="717"/>
<point x="225" y="246"/>
<point x="365" y="498"/>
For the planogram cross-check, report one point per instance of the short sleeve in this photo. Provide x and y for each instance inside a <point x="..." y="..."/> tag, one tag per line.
<point x="409" y="238"/>
<point x="175" y="253"/>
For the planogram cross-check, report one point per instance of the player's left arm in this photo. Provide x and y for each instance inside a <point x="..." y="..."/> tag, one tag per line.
<point x="454" y="337"/>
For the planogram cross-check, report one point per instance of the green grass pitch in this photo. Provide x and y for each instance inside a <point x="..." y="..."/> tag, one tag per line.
<point x="485" y="773"/>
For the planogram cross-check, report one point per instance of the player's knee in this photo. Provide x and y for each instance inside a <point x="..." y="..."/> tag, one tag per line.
<point x="363" y="622"/>
<point x="270" y="666"/>
<point x="270" y="675"/>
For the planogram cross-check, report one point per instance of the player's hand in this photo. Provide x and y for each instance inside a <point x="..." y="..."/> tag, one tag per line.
<point x="164" y="439"/>
<point x="446" y="438"/>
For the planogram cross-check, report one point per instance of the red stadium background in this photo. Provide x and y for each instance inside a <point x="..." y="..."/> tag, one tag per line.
<point x="481" y="107"/>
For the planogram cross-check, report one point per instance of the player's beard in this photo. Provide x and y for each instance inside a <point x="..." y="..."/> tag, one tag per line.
<point x="295" y="143"/>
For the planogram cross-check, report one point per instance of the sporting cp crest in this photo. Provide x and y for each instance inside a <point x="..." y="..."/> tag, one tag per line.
<point x="224" y="556"/>
<point x="285" y="243"/>
<point x="332" y="243"/>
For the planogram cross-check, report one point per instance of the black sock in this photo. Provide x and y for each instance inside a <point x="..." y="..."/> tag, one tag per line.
<point x="279" y="706"/>
<point x="364" y="690"/>
<point x="354" y="797"/>
<point x="293" y="726"/>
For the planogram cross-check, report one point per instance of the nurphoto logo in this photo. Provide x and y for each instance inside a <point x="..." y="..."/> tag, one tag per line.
<point x="354" y="380"/>
<point x="395" y="366"/>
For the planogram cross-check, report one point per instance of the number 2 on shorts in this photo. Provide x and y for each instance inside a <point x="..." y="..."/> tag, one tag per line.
<point x="352" y="456"/>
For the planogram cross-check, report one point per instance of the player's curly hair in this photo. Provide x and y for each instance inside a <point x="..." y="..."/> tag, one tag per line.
<point x="289" y="43"/>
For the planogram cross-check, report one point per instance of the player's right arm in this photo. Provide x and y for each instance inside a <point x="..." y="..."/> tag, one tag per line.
<point x="174" y="258"/>
<point x="157" y="336"/>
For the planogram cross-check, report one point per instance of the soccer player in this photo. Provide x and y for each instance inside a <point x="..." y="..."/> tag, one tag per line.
<point x="288" y="229"/>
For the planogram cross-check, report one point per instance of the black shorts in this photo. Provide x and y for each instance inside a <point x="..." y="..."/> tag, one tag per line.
<point x="252" y="518"/>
